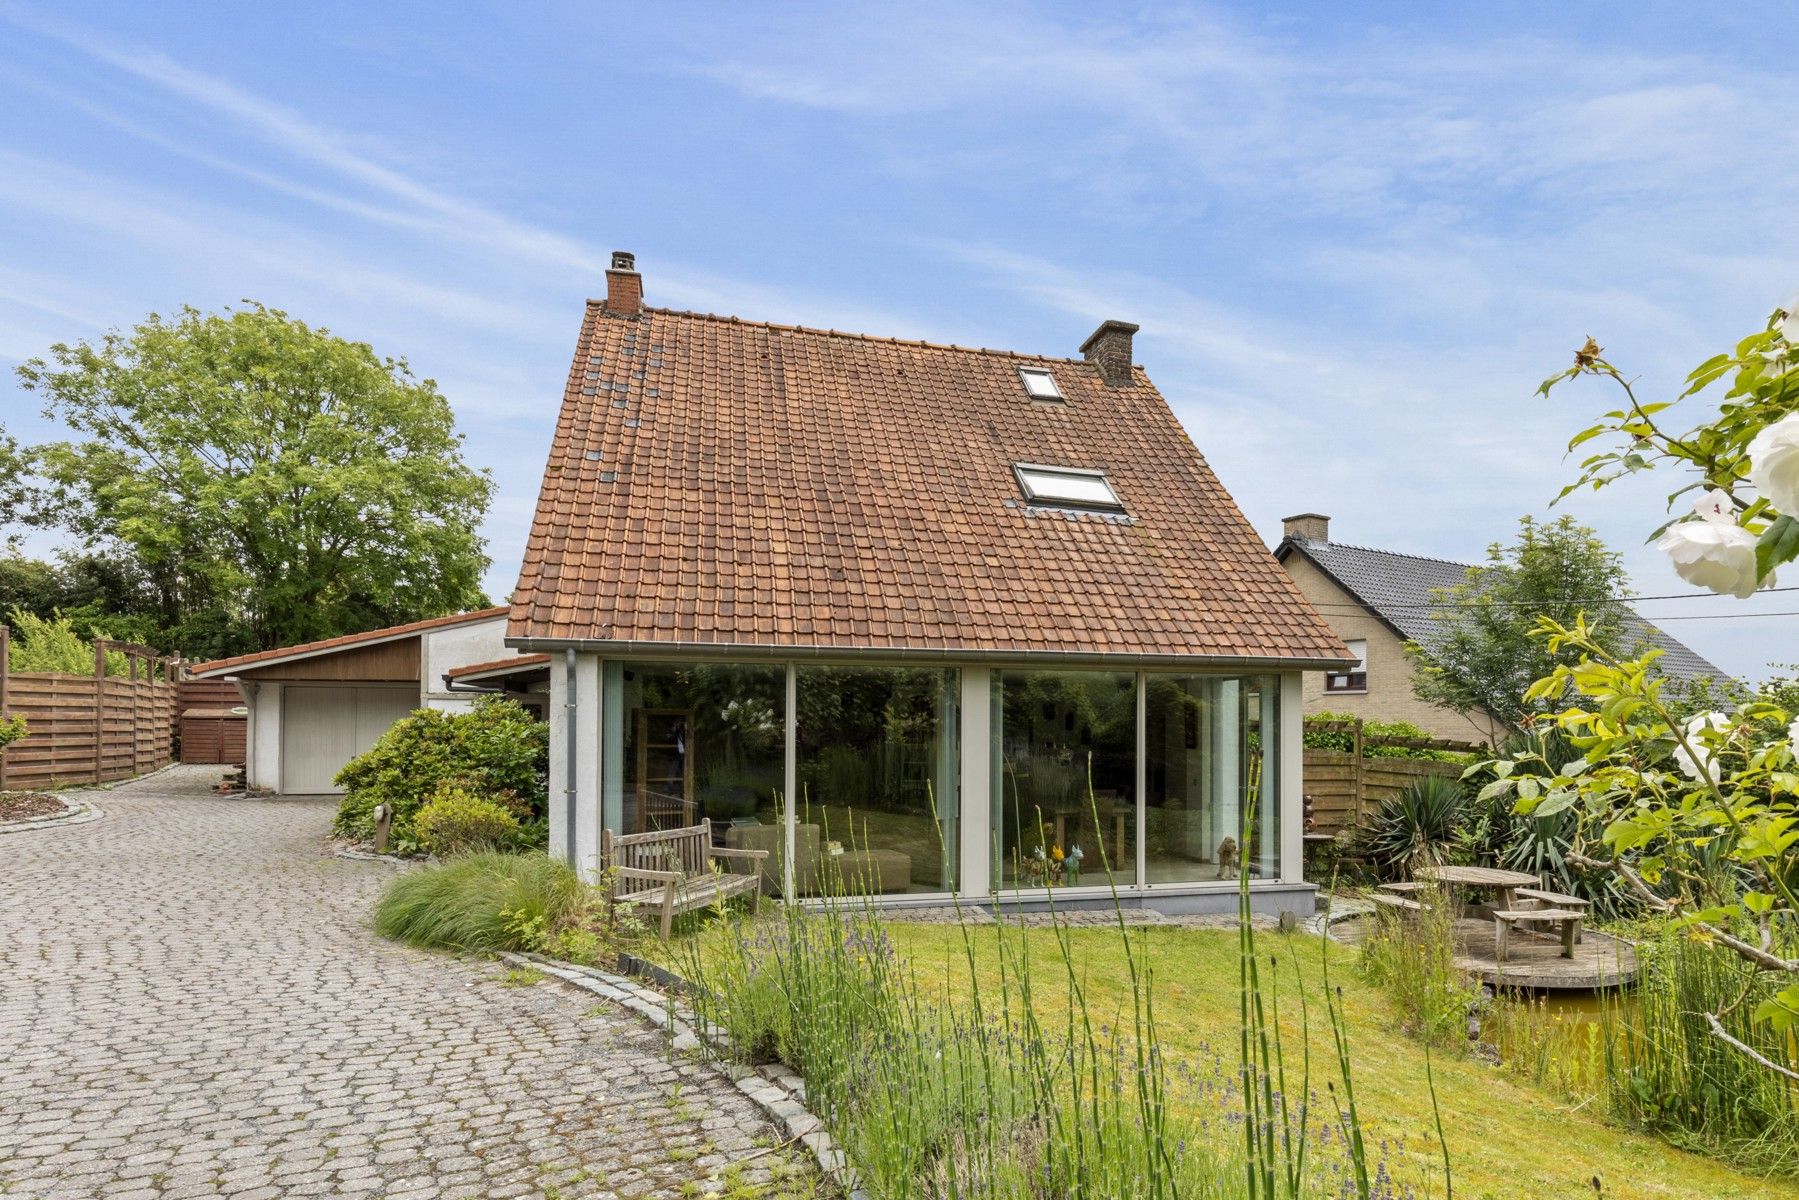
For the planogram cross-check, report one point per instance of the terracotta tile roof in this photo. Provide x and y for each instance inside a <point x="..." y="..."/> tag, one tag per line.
<point x="719" y="481"/>
<point x="500" y="665"/>
<point x="307" y="649"/>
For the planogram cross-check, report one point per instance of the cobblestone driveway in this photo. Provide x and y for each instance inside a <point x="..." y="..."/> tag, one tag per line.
<point x="192" y="1004"/>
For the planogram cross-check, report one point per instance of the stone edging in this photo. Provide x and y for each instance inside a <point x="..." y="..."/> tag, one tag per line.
<point x="775" y="1089"/>
<point x="75" y="812"/>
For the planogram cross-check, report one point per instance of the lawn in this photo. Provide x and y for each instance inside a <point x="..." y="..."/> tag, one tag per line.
<point x="1506" y="1139"/>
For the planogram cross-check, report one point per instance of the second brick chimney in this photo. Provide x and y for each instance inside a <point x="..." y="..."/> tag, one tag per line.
<point x="1109" y="348"/>
<point x="1307" y="527"/>
<point x="624" y="286"/>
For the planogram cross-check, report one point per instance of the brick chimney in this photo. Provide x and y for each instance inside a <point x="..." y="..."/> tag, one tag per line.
<point x="1307" y="527"/>
<point x="624" y="286"/>
<point x="1109" y="348"/>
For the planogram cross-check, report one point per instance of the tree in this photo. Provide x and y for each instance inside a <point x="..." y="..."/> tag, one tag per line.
<point x="15" y="490"/>
<point x="1486" y="658"/>
<point x="276" y="483"/>
<point x="1675" y="794"/>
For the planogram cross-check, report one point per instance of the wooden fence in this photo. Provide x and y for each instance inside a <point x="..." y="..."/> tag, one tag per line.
<point x="1344" y="786"/>
<point x="89" y="728"/>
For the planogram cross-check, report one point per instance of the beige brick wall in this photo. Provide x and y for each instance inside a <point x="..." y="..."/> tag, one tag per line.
<point x="1389" y="696"/>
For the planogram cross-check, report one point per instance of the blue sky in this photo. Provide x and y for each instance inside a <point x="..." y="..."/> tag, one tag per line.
<point x="1356" y="237"/>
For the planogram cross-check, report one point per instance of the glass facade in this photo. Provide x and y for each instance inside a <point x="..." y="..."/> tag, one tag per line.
<point x="1063" y="797"/>
<point x="879" y="768"/>
<point x="1151" y="778"/>
<point x="1212" y="766"/>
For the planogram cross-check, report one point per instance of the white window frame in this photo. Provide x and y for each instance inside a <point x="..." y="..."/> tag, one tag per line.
<point x="1027" y="374"/>
<point x="1355" y="679"/>
<point x="1024" y="472"/>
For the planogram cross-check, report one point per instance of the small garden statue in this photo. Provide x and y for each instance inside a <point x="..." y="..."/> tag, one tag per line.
<point x="1071" y="868"/>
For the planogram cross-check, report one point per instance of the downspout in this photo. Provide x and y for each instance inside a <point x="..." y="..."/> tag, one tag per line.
<point x="571" y="755"/>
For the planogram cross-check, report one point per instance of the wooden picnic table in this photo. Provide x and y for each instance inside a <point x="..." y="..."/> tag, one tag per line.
<point x="1506" y="883"/>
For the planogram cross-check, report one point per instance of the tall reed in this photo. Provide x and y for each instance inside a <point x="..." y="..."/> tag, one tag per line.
<point x="1026" y="1092"/>
<point x="1668" y="1072"/>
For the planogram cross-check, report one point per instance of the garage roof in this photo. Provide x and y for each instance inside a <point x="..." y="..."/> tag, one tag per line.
<point x="265" y="658"/>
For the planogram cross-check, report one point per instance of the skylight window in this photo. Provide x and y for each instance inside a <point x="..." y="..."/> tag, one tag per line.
<point x="1069" y="486"/>
<point x="1039" y="384"/>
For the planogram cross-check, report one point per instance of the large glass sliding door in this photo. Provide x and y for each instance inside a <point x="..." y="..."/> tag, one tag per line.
<point x="689" y="742"/>
<point x="1063" y="802"/>
<point x="879" y="776"/>
<point x="1212" y="766"/>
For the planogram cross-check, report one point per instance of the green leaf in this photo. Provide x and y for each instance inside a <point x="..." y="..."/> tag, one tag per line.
<point x="1779" y="543"/>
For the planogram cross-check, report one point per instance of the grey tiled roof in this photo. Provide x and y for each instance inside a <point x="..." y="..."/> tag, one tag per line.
<point x="1399" y="589"/>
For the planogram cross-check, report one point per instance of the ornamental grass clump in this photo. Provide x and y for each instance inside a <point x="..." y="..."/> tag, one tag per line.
<point x="484" y="902"/>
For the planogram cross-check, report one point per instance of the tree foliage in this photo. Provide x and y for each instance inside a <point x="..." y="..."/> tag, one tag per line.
<point x="276" y="483"/>
<point x="1485" y="658"/>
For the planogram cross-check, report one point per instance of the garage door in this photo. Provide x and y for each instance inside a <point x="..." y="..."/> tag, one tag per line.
<point x="322" y="728"/>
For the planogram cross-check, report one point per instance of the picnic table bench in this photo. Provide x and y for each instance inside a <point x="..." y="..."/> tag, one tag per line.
<point x="1503" y="919"/>
<point x="678" y="869"/>
<point x="1553" y="900"/>
<point x="1400" y="904"/>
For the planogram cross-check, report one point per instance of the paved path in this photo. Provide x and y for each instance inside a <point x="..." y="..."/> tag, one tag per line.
<point x="192" y="1004"/>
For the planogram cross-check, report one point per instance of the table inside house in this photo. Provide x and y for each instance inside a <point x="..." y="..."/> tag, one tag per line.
<point x="1506" y="883"/>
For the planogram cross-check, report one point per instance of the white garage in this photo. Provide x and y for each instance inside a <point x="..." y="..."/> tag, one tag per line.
<point x="314" y="707"/>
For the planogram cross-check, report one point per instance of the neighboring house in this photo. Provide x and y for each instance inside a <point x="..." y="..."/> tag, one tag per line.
<point x="927" y="594"/>
<point x="1377" y="601"/>
<point x="313" y="707"/>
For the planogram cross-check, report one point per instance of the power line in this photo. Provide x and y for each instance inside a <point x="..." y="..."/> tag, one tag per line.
<point x="1624" y="600"/>
<point x="1719" y="616"/>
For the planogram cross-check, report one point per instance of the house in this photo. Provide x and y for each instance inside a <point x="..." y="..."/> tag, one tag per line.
<point x="892" y="609"/>
<point x="1378" y="600"/>
<point x="315" y="706"/>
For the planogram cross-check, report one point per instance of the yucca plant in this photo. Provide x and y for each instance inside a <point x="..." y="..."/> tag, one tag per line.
<point x="1417" y="828"/>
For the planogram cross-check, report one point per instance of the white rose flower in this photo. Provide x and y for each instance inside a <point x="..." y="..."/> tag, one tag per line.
<point x="1691" y="767"/>
<point x="1788" y="325"/>
<point x="1713" y="552"/>
<point x="1774" y="464"/>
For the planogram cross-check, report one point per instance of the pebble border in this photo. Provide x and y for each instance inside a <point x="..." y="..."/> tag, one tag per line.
<point x="76" y="812"/>
<point x="773" y="1088"/>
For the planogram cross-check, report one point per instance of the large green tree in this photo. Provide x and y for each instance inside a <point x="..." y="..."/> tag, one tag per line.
<point x="1485" y="657"/>
<point x="275" y="482"/>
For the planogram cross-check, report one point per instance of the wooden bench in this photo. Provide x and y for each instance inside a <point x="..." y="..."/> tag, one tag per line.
<point x="1504" y="918"/>
<point x="1397" y="903"/>
<point x="1403" y="888"/>
<point x="1545" y="899"/>
<point x="677" y="869"/>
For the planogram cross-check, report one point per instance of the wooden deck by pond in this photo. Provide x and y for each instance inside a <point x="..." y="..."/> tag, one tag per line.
<point x="1533" y="960"/>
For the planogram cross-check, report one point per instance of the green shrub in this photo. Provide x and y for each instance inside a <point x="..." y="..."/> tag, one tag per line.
<point x="54" y="644"/>
<point x="456" y="820"/>
<point x="498" y="749"/>
<point x="484" y="901"/>
<point x="1417" y="828"/>
<point x="12" y="729"/>
<point x="1344" y="740"/>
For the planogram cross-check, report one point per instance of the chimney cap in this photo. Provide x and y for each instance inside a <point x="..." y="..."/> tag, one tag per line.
<point x="624" y="260"/>
<point x="1106" y="328"/>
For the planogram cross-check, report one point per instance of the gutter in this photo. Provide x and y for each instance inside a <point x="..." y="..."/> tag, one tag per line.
<point x="760" y="653"/>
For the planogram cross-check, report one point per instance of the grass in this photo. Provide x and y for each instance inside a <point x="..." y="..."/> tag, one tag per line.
<point x="1506" y="1138"/>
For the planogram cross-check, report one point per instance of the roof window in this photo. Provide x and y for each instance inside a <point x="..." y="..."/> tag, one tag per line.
<point x="1070" y="486"/>
<point x="1039" y="383"/>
